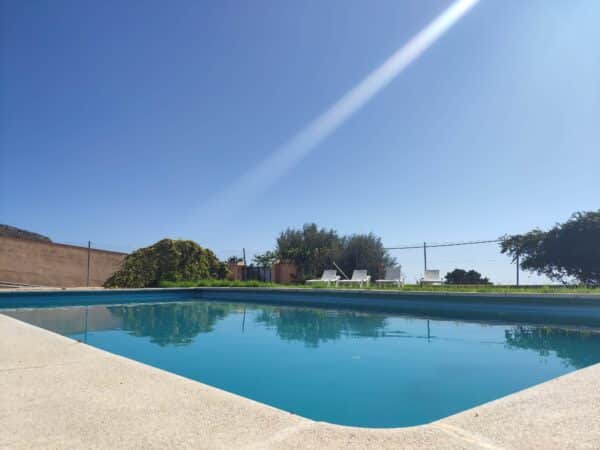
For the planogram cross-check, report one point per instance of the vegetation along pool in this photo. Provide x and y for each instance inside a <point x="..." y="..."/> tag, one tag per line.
<point x="347" y="366"/>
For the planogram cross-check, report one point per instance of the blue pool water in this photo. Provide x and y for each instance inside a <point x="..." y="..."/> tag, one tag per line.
<point x="351" y="367"/>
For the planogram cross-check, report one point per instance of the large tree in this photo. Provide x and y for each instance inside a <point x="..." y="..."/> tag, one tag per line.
<point x="311" y="248"/>
<point x="167" y="260"/>
<point x="364" y="251"/>
<point x="569" y="250"/>
<point x="266" y="259"/>
<point x="315" y="249"/>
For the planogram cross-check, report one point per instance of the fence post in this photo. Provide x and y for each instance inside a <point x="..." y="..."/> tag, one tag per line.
<point x="87" y="281"/>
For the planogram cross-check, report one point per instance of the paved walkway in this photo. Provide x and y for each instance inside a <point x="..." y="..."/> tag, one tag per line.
<point x="58" y="393"/>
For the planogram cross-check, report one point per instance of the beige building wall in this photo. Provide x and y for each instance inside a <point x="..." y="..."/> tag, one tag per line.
<point x="49" y="264"/>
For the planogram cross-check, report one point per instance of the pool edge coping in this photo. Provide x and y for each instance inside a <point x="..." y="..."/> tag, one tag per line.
<point x="448" y="425"/>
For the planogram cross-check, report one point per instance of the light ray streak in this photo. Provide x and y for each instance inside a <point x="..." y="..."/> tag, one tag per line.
<point x="281" y="161"/>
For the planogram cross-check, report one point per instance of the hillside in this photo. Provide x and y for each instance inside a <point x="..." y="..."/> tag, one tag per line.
<point x="10" y="231"/>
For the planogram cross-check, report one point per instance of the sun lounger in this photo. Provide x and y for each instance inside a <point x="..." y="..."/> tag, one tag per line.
<point x="329" y="276"/>
<point x="393" y="275"/>
<point x="359" y="277"/>
<point x="431" y="277"/>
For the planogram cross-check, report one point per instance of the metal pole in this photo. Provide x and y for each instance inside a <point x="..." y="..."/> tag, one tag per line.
<point x="338" y="268"/>
<point x="244" y="252"/>
<point x="517" y="270"/>
<point x="425" y="255"/>
<point x="87" y="282"/>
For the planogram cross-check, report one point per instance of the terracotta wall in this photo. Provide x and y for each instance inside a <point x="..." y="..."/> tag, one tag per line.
<point x="284" y="273"/>
<point x="48" y="264"/>
<point x="235" y="271"/>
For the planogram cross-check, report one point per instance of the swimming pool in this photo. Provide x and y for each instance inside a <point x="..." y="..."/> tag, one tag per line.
<point x="350" y="366"/>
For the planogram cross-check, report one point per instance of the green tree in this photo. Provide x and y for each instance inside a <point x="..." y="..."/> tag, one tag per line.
<point x="234" y="259"/>
<point x="266" y="259"/>
<point x="315" y="249"/>
<point x="569" y="250"/>
<point x="364" y="251"/>
<point x="310" y="248"/>
<point x="167" y="260"/>
<point x="461" y="276"/>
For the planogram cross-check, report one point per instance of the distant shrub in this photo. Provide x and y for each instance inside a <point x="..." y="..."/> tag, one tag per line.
<point x="167" y="260"/>
<point x="460" y="276"/>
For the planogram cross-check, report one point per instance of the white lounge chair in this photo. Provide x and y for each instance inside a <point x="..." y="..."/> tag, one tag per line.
<point x="358" y="276"/>
<point x="393" y="275"/>
<point x="431" y="277"/>
<point x="329" y="276"/>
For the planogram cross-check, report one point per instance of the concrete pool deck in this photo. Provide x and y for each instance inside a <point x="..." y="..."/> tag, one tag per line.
<point x="58" y="393"/>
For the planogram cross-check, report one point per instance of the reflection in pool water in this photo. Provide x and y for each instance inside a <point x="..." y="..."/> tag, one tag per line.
<point x="342" y="366"/>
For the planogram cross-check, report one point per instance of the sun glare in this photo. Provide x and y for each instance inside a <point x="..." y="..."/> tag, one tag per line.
<point x="261" y="177"/>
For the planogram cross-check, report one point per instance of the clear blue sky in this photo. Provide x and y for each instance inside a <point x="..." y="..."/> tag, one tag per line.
<point x="121" y="120"/>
